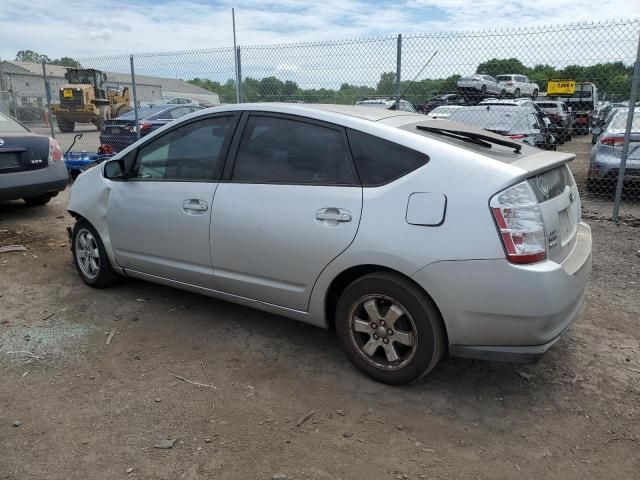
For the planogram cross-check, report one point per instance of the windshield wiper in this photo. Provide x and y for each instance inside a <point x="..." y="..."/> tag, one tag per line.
<point x="472" y="137"/>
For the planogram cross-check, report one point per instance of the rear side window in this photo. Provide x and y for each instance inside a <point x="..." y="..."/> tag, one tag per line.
<point x="280" y="150"/>
<point x="380" y="161"/>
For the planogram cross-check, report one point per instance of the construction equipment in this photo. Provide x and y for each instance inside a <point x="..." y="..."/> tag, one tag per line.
<point x="87" y="99"/>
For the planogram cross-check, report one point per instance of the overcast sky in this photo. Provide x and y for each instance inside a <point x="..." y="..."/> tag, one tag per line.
<point x="82" y="28"/>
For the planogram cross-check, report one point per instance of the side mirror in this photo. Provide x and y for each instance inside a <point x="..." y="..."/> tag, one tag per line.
<point x="596" y="130"/>
<point x="115" y="169"/>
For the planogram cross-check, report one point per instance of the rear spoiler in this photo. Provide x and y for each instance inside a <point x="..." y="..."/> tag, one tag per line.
<point x="542" y="161"/>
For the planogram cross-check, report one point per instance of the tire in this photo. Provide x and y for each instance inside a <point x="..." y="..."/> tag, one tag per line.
<point x="503" y="94"/>
<point x="37" y="201"/>
<point x="66" y="126"/>
<point x="516" y="94"/>
<point x="90" y="253"/>
<point x="419" y="340"/>
<point x="483" y="89"/>
<point x="535" y="94"/>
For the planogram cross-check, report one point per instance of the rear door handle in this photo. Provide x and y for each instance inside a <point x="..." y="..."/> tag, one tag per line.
<point x="333" y="214"/>
<point x="195" y="205"/>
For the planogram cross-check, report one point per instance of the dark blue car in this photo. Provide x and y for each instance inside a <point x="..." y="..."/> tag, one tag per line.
<point x="121" y="132"/>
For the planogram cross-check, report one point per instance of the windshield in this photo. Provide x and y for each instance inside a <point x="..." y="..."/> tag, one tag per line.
<point x="9" y="125"/>
<point x="143" y="112"/>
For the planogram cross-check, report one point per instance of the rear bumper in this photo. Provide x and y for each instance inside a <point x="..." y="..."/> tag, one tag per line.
<point x="495" y="310"/>
<point x="34" y="183"/>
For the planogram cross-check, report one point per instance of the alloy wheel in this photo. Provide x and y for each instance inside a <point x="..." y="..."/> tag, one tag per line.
<point x="87" y="253"/>
<point x="383" y="332"/>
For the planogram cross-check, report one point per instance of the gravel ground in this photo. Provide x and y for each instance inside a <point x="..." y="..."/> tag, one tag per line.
<point x="88" y="409"/>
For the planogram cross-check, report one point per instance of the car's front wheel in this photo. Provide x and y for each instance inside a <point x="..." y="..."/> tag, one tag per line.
<point x="389" y="328"/>
<point x="90" y="257"/>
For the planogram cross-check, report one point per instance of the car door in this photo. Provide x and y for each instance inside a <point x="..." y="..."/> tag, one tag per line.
<point x="159" y="218"/>
<point x="289" y="205"/>
<point x="492" y="84"/>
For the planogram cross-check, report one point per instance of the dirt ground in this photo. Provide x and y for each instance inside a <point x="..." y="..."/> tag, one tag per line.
<point x="90" y="410"/>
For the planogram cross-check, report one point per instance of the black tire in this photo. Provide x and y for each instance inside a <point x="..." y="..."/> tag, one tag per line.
<point x="483" y="89"/>
<point x="421" y="321"/>
<point x="535" y="94"/>
<point x="105" y="275"/>
<point x="66" y="126"/>
<point x="37" y="201"/>
<point x="503" y="94"/>
<point x="516" y="94"/>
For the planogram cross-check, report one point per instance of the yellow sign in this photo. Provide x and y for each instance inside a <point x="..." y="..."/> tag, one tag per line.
<point x="67" y="93"/>
<point x="561" y="87"/>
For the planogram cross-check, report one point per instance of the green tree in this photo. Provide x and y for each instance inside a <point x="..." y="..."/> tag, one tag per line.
<point x="31" y="56"/>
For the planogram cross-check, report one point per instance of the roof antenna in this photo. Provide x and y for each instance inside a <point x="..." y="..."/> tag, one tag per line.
<point x="395" y="104"/>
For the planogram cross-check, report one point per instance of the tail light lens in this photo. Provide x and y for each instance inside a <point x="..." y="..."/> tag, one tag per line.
<point x="55" y="152"/>
<point x="612" y="140"/>
<point x="145" y="127"/>
<point x="509" y="83"/>
<point x="517" y="214"/>
<point x="517" y="137"/>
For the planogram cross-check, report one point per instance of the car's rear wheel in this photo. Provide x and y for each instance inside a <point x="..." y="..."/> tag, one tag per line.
<point x="535" y="94"/>
<point x="90" y="257"/>
<point x="37" y="201"/>
<point x="516" y="94"/>
<point x="483" y="89"/>
<point x="389" y="328"/>
<point x="503" y="93"/>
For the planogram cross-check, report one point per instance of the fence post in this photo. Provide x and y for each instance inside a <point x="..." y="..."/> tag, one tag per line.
<point x="398" y="67"/>
<point x="236" y="56"/>
<point x="135" y="96"/>
<point x="627" y="134"/>
<point x="239" y="80"/>
<point x="47" y="90"/>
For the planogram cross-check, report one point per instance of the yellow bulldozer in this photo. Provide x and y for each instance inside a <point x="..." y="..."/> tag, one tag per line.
<point x="87" y="99"/>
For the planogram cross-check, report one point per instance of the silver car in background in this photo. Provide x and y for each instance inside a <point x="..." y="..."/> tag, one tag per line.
<point x="444" y="111"/>
<point x="607" y="152"/>
<point x="481" y="84"/>
<point x="408" y="236"/>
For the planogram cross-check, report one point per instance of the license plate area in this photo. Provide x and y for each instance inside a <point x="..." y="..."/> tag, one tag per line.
<point x="10" y="161"/>
<point x="114" y="131"/>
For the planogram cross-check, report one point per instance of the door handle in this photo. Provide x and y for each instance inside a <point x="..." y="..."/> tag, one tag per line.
<point x="195" y="205"/>
<point x="333" y="214"/>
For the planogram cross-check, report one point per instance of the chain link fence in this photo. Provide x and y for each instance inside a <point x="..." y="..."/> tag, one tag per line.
<point x="567" y="87"/>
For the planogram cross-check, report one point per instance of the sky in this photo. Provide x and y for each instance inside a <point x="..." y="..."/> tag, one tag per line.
<point x="84" y="28"/>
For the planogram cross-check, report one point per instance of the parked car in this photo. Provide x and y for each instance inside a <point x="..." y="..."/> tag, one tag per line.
<point x="350" y="218"/>
<point x="31" y="165"/>
<point x="560" y="116"/>
<point x="438" y="100"/>
<point x="551" y="134"/>
<point x="444" y="111"/>
<point x="518" y="85"/>
<point x="607" y="153"/>
<point x="481" y="84"/>
<point x="388" y="103"/>
<point x="517" y="123"/>
<point x="121" y="132"/>
<point x="597" y="130"/>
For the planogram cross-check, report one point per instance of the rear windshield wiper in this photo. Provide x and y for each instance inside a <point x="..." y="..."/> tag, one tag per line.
<point x="477" y="138"/>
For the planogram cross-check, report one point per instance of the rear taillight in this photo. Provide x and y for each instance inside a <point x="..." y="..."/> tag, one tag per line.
<point x="519" y="220"/>
<point x="509" y="83"/>
<point x="145" y="127"/>
<point x="612" y="140"/>
<point x="55" y="152"/>
<point x="517" y="137"/>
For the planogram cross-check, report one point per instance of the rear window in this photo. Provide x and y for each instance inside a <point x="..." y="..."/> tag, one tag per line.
<point x="143" y="112"/>
<point x="550" y="184"/>
<point x="619" y="122"/>
<point x="503" y="78"/>
<point x="9" y="125"/>
<point x="379" y="161"/>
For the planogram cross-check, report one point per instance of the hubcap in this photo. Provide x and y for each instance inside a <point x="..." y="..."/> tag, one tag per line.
<point x="87" y="254"/>
<point x="383" y="332"/>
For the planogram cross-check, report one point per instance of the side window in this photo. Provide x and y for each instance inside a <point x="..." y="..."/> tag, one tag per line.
<point x="190" y="152"/>
<point x="532" y="122"/>
<point x="379" y="161"/>
<point x="281" y="150"/>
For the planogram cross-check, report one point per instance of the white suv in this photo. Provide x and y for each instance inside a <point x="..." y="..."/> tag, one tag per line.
<point x="518" y="85"/>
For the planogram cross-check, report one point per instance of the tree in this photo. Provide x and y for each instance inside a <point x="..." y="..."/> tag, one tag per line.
<point x="35" y="57"/>
<point x="497" y="66"/>
<point x="31" y="56"/>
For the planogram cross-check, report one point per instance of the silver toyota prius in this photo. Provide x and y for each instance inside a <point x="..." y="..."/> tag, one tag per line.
<point x="408" y="236"/>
